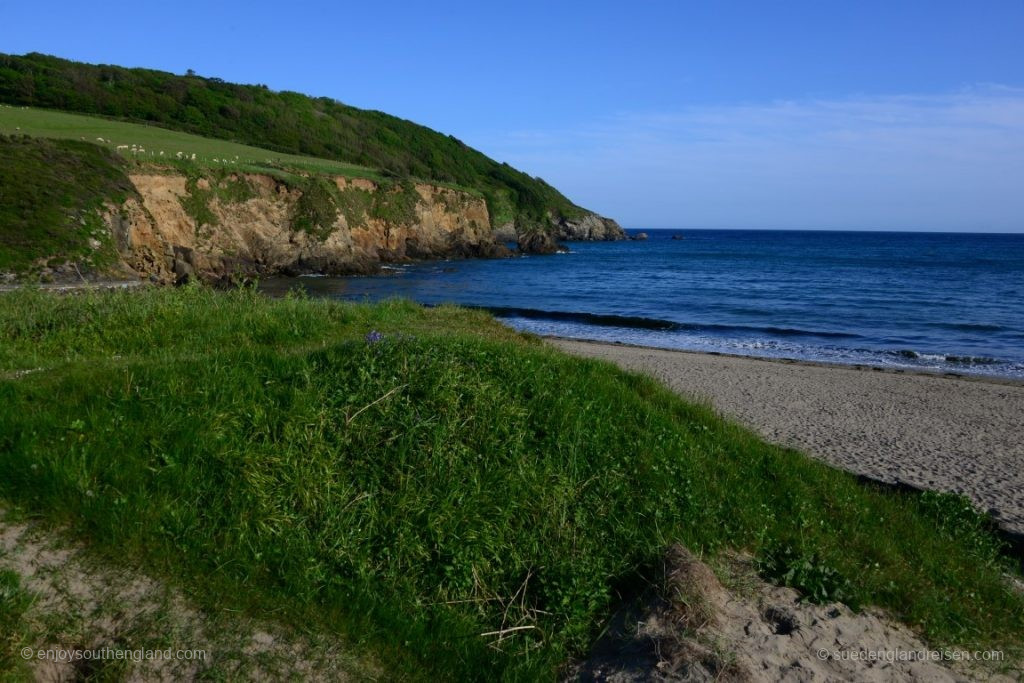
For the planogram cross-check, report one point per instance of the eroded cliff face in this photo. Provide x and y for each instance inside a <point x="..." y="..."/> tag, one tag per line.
<point x="242" y="224"/>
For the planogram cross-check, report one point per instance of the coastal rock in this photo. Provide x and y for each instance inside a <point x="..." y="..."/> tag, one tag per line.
<point x="182" y="269"/>
<point x="639" y="237"/>
<point x="590" y="227"/>
<point x="678" y="237"/>
<point x="158" y="237"/>
<point x="540" y="243"/>
<point x="506" y="232"/>
<point x="227" y="227"/>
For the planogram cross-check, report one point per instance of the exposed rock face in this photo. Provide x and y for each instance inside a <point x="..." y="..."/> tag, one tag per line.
<point x="590" y="227"/>
<point x="225" y="226"/>
<point x="506" y="232"/>
<point x="539" y="243"/>
<point x="257" y="235"/>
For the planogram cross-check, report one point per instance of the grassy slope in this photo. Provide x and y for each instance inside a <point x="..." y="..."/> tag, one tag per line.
<point x="51" y="192"/>
<point x="284" y="121"/>
<point x="401" y="491"/>
<point x="62" y="125"/>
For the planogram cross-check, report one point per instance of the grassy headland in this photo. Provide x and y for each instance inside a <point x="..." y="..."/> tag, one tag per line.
<point x="285" y="122"/>
<point x="413" y="478"/>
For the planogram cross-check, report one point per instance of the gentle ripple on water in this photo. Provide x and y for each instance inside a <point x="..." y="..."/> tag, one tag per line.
<point x="947" y="302"/>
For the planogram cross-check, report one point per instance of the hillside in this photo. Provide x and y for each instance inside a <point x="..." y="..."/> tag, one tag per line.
<point x="72" y="210"/>
<point x="284" y="122"/>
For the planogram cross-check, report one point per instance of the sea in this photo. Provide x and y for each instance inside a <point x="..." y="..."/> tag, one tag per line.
<point x="942" y="302"/>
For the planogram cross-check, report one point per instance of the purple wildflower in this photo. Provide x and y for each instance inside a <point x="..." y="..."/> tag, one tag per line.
<point x="373" y="337"/>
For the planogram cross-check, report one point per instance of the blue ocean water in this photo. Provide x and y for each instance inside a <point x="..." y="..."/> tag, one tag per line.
<point x="937" y="301"/>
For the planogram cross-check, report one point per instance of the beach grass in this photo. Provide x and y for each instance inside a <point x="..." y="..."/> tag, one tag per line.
<point x="416" y="478"/>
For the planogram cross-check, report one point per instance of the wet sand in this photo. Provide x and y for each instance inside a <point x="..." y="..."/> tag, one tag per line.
<point x="964" y="435"/>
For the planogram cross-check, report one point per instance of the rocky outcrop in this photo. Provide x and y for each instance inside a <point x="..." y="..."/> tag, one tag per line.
<point x="590" y="227"/>
<point x="218" y="225"/>
<point x="245" y="224"/>
<point x="539" y="243"/>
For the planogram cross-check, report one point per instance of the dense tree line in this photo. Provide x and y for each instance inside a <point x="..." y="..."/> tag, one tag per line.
<point x="286" y="122"/>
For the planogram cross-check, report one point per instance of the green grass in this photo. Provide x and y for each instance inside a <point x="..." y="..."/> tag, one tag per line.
<point x="402" y="490"/>
<point x="288" y="122"/>
<point x="61" y="125"/>
<point x="15" y="602"/>
<point x="51" y="196"/>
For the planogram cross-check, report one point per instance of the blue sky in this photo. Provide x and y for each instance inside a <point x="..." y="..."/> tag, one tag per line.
<point x="815" y="115"/>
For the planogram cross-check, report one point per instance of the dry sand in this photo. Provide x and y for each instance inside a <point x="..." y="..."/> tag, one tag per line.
<point x="936" y="432"/>
<point x="701" y="629"/>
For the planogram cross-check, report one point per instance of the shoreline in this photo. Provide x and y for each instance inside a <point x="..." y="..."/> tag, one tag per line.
<point x="926" y="431"/>
<point x="894" y="370"/>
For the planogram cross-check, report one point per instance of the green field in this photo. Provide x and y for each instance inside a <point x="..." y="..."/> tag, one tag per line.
<point x="210" y="153"/>
<point x="396" y="475"/>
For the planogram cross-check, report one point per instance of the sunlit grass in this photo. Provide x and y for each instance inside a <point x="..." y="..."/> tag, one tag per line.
<point x="209" y="152"/>
<point x="397" y="474"/>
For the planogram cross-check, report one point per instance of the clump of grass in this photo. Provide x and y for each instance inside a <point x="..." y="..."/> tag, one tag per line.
<point x="226" y="186"/>
<point x="196" y="202"/>
<point x="395" y="203"/>
<point x="15" y="601"/>
<point x="52" y="193"/>
<point x="316" y="211"/>
<point x="355" y="204"/>
<point x="437" y="480"/>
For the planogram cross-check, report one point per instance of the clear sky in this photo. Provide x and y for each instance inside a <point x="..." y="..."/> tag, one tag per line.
<point x="812" y="114"/>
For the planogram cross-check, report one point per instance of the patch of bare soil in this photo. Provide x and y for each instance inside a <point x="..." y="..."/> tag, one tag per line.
<point x="80" y="606"/>
<point x="694" y="628"/>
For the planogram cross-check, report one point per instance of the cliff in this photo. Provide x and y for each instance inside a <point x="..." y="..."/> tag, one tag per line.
<point x="72" y="210"/>
<point x="242" y="224"/>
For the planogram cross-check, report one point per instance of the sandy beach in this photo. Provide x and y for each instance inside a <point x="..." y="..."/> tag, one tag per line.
<point x="964" y="435"/>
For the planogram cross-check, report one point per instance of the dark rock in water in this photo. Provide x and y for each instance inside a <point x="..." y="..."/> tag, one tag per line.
<point x="492" y="250"/>
<point x="678" y="237"/>
<point x="540" y="243"/>
<point x="640" y="236"/>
